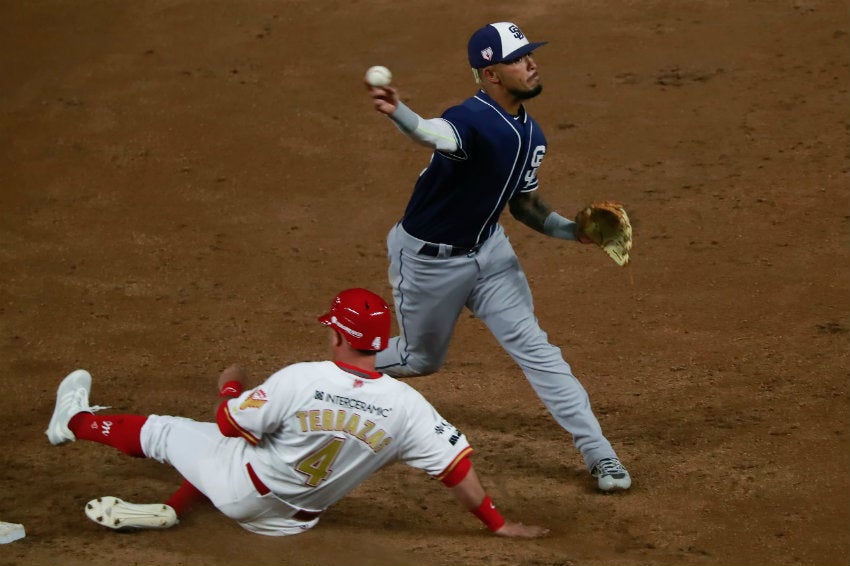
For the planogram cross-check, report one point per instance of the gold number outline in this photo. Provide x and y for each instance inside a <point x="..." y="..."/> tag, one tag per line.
<point x="318" y="465"/>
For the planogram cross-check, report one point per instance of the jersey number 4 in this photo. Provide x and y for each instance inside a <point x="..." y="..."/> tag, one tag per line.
<point x="317" y="466"/>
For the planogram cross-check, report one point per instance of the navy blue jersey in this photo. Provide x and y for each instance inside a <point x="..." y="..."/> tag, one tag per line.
<point x="459" y="197"/>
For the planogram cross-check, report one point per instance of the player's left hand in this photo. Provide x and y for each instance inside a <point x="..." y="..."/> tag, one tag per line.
<point x="518" y="530"/>
<point x="607" y="225"/>
<point x="232" y="373"/>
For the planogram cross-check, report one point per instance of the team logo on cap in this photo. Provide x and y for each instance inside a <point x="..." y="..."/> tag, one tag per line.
<point x="487" y="54"/>
<point x="517" y="33"/>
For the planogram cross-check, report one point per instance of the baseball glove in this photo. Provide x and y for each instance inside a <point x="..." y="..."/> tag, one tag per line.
<point x="607" y="225"/>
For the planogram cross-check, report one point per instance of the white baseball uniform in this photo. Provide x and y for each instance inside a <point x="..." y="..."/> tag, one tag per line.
<point x="311" y="433"/>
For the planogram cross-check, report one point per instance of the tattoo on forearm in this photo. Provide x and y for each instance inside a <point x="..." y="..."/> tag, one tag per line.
<point x="530" y="210"/>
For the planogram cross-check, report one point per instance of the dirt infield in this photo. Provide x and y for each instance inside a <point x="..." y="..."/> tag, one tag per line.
<point x="186" y="184"/>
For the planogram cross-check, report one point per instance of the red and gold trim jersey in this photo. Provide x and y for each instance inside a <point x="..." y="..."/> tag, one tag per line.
<point x="318" y="429"/>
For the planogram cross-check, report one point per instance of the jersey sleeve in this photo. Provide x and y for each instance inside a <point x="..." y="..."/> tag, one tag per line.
<point x="457" y="118"/>
<point x="435" y="133"/>
<point x="261" y="409"/>
<point x="430" y="442"/>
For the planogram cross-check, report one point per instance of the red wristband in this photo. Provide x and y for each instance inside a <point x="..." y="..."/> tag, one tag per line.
<point x="489" y="515"/>
<point x="231" y="389"/>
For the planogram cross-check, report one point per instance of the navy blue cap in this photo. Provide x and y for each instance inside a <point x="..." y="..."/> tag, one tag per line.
<point x="499" y="42"/>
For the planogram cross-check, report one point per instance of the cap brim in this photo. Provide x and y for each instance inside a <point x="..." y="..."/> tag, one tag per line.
<point x="524" y="50"/>
<point x="325" y="319"/>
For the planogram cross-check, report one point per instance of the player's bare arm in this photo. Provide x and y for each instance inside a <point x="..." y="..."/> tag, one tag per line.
<point x="232" y="378"/>
<point x="470" y="493"/>
<point x="530" y="209"/>
<point x="533" y="211"/>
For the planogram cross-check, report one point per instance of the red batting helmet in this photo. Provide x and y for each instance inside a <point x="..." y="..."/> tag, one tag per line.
<point x="362" y="317"/>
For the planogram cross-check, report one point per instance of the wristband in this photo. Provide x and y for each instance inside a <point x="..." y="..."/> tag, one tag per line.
<point x="231" y="389"/>
<point x="489" y="515"/>
<point x="557" y="226"/>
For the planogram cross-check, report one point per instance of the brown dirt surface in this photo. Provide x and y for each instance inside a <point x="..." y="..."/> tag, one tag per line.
<point x="186" y="183"/>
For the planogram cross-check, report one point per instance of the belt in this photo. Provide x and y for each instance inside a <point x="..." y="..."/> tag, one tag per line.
<point x="262" y="489"/>
<point x="433" y="250"/>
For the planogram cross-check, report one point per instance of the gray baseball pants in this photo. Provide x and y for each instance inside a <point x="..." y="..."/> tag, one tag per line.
<point x="429" y="295"/>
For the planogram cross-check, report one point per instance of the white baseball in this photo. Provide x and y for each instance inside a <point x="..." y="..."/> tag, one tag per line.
<point x="378" y="76"/>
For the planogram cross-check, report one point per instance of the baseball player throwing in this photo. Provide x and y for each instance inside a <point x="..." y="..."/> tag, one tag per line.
<point x="449" y="251"/>
<point x="282" y="453"/>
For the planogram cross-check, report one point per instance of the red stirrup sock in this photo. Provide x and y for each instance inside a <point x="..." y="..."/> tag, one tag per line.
<point x="186" y="496"/>
<point x="119" y="431"/>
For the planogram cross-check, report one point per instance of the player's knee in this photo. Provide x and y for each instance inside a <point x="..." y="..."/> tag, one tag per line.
<point x="424" y="366"/>
<point x="409" y="369"/>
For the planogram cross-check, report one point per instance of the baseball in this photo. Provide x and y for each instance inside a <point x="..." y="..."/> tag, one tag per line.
<point x="378" y="76"/>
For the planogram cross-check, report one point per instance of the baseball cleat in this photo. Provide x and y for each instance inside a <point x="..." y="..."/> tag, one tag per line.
<point x="72" y="397"/>
<point x="611" y="475"/>
<point x="117" y="514"/>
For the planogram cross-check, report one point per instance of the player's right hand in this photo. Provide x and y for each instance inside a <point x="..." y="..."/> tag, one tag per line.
<point x="384" y="99"/>
<point x="518" y="530"/>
